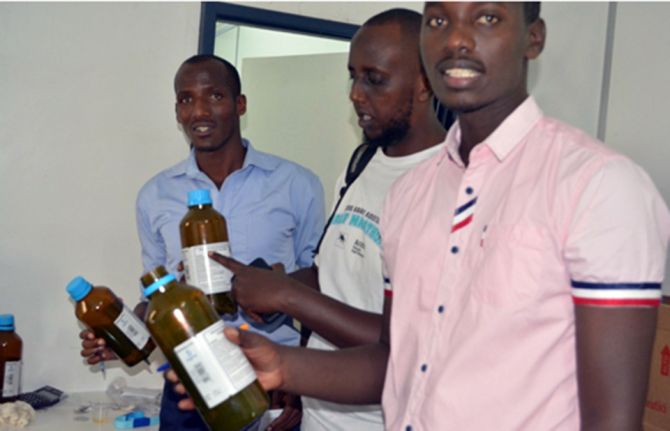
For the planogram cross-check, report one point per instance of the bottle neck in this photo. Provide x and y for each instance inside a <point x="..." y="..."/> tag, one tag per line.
<point x="162" y="288"/>
<point x="199" y="206"/>
<point x="156" y="293"/>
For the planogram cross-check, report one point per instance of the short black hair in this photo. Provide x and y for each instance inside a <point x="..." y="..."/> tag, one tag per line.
<point x="531" y="11"/>
<point x="409" y="22"/>
<point x="233" y="74"/>
<point x="407" y="19"/>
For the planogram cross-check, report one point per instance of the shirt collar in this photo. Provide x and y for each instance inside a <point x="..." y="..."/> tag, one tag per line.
<point x="253" y="157"/>
<point x="504" y="138"/>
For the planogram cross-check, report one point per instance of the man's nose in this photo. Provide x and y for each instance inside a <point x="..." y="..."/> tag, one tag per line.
<point x="459" y="38"/>
<point x="201" y="107"/>
<point x="356" y="93"/>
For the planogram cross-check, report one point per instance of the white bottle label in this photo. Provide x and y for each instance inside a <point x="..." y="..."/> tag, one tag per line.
<point x="202" y="272"/>
<point x="132" y="327"/>
<point x="217" y="367"/>
<point x="12" y="380"/>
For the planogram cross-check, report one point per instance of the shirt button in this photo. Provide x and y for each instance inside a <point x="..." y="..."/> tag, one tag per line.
<point x="469" y="190"/>
<point x="454" y="250"/>
<point x="424" y="367"/>
<point x="440" y="309"/>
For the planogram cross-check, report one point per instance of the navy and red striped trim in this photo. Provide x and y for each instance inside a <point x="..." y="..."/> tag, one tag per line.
<point x="616" y="294"/>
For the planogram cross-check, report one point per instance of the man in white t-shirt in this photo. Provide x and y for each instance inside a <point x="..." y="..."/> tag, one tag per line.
<point x="393" y="101"/>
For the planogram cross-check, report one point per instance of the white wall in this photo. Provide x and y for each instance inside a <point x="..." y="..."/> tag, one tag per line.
<point x="244" y="42"/>
<point x="566" y="79"/>
<point x="86" y="116"/>
<point x="308" y="120"/>
<point x="640" y="92"/>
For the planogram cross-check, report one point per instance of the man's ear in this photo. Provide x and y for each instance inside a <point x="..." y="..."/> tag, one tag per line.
<point x="241" y="102"/>
<point x="537" y="34"/>
<point x="423" y="90"/>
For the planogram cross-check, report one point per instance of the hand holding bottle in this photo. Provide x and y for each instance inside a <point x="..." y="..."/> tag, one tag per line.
<point x="107" y="317"/>
<point x="94" y="349"/>
<point x="215" y="373"/>
<point x="263" y="354"/>
<point x="291" y="411"/>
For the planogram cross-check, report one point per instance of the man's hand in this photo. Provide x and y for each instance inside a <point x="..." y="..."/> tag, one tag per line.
<point x="256" y="290"/>
<point x="94" y="349"/>
<point x="291" y="414"/>
<point x="261" y="353"/>
<point x="186" y="403"/>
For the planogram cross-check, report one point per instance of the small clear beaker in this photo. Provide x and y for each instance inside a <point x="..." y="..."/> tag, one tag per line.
<point x="100" y="413"/>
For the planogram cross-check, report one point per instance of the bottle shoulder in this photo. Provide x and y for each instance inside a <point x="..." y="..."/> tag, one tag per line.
<point x="203" y="228"/>
<point x="202" y="216"/>
<point x="191" y="301"/>
<point x="101" y="300"/>
<point x="10" y="339"/>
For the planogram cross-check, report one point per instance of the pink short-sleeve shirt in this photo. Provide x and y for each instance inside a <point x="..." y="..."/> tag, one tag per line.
<point x="485" y="263"/>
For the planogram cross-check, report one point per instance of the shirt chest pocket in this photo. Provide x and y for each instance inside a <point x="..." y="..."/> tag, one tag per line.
<point x="508" y="267"/>
<point x="268" y="235"/>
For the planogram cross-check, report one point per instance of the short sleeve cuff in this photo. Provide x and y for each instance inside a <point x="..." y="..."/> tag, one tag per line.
<point x="616" y="294"/>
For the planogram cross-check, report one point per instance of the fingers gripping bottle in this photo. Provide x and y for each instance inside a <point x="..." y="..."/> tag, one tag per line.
<point x="10" y="359"/>
<point x="106" y="315"/>
<point x="215" y="372"/>
<point x="203" y="229"/>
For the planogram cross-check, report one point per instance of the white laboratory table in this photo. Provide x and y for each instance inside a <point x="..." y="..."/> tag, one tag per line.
<point x="62" y="416"/>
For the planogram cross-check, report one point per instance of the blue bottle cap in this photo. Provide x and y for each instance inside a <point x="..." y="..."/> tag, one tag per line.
<point x="78" y="288"/>
<point x="6" y="322"/>
<point x="199" y="197"/>
<point x="157" y="284"/>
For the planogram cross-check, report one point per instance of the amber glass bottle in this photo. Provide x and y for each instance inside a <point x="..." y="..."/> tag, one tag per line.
<point x="10" y="359"/>
<point x="215" y="372"/>
<point x="203" y="229"/>
<point x="104" y="313"/>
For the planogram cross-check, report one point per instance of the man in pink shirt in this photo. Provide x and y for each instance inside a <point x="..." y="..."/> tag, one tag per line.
<point x="524" y="261"/>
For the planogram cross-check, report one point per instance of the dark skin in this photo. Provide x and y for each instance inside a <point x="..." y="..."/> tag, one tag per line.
<point x="386" y="89"/>
<point x="493" y="39"/>
<point x="352" y="376"/>
<point x="208" y="110"/>
<point x="479" y="70"/>
<point x="479" y="39"/>
<point x="613" y="357"/>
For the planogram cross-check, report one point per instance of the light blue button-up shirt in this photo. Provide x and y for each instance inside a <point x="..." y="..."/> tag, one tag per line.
<point x="274" y="209"/>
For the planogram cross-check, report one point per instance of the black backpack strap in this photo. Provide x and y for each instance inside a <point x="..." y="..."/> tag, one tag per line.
<point x="359" y="160"/>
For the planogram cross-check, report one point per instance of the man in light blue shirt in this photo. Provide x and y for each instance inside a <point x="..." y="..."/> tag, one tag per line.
<point x="274" y="208"/>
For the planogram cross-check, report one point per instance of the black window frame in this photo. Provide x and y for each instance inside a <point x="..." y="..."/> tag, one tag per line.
<point x="211" y="12"/>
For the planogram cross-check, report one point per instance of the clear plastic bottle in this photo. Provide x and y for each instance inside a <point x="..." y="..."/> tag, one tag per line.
<point x="203" y="229"/>
<point x="105" y="314"/>
<point x="11" y="347"/>
<point x="215" y="372"/>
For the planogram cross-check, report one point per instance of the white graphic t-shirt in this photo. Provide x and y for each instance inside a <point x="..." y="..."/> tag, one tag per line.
<point x="350" y="270"/>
